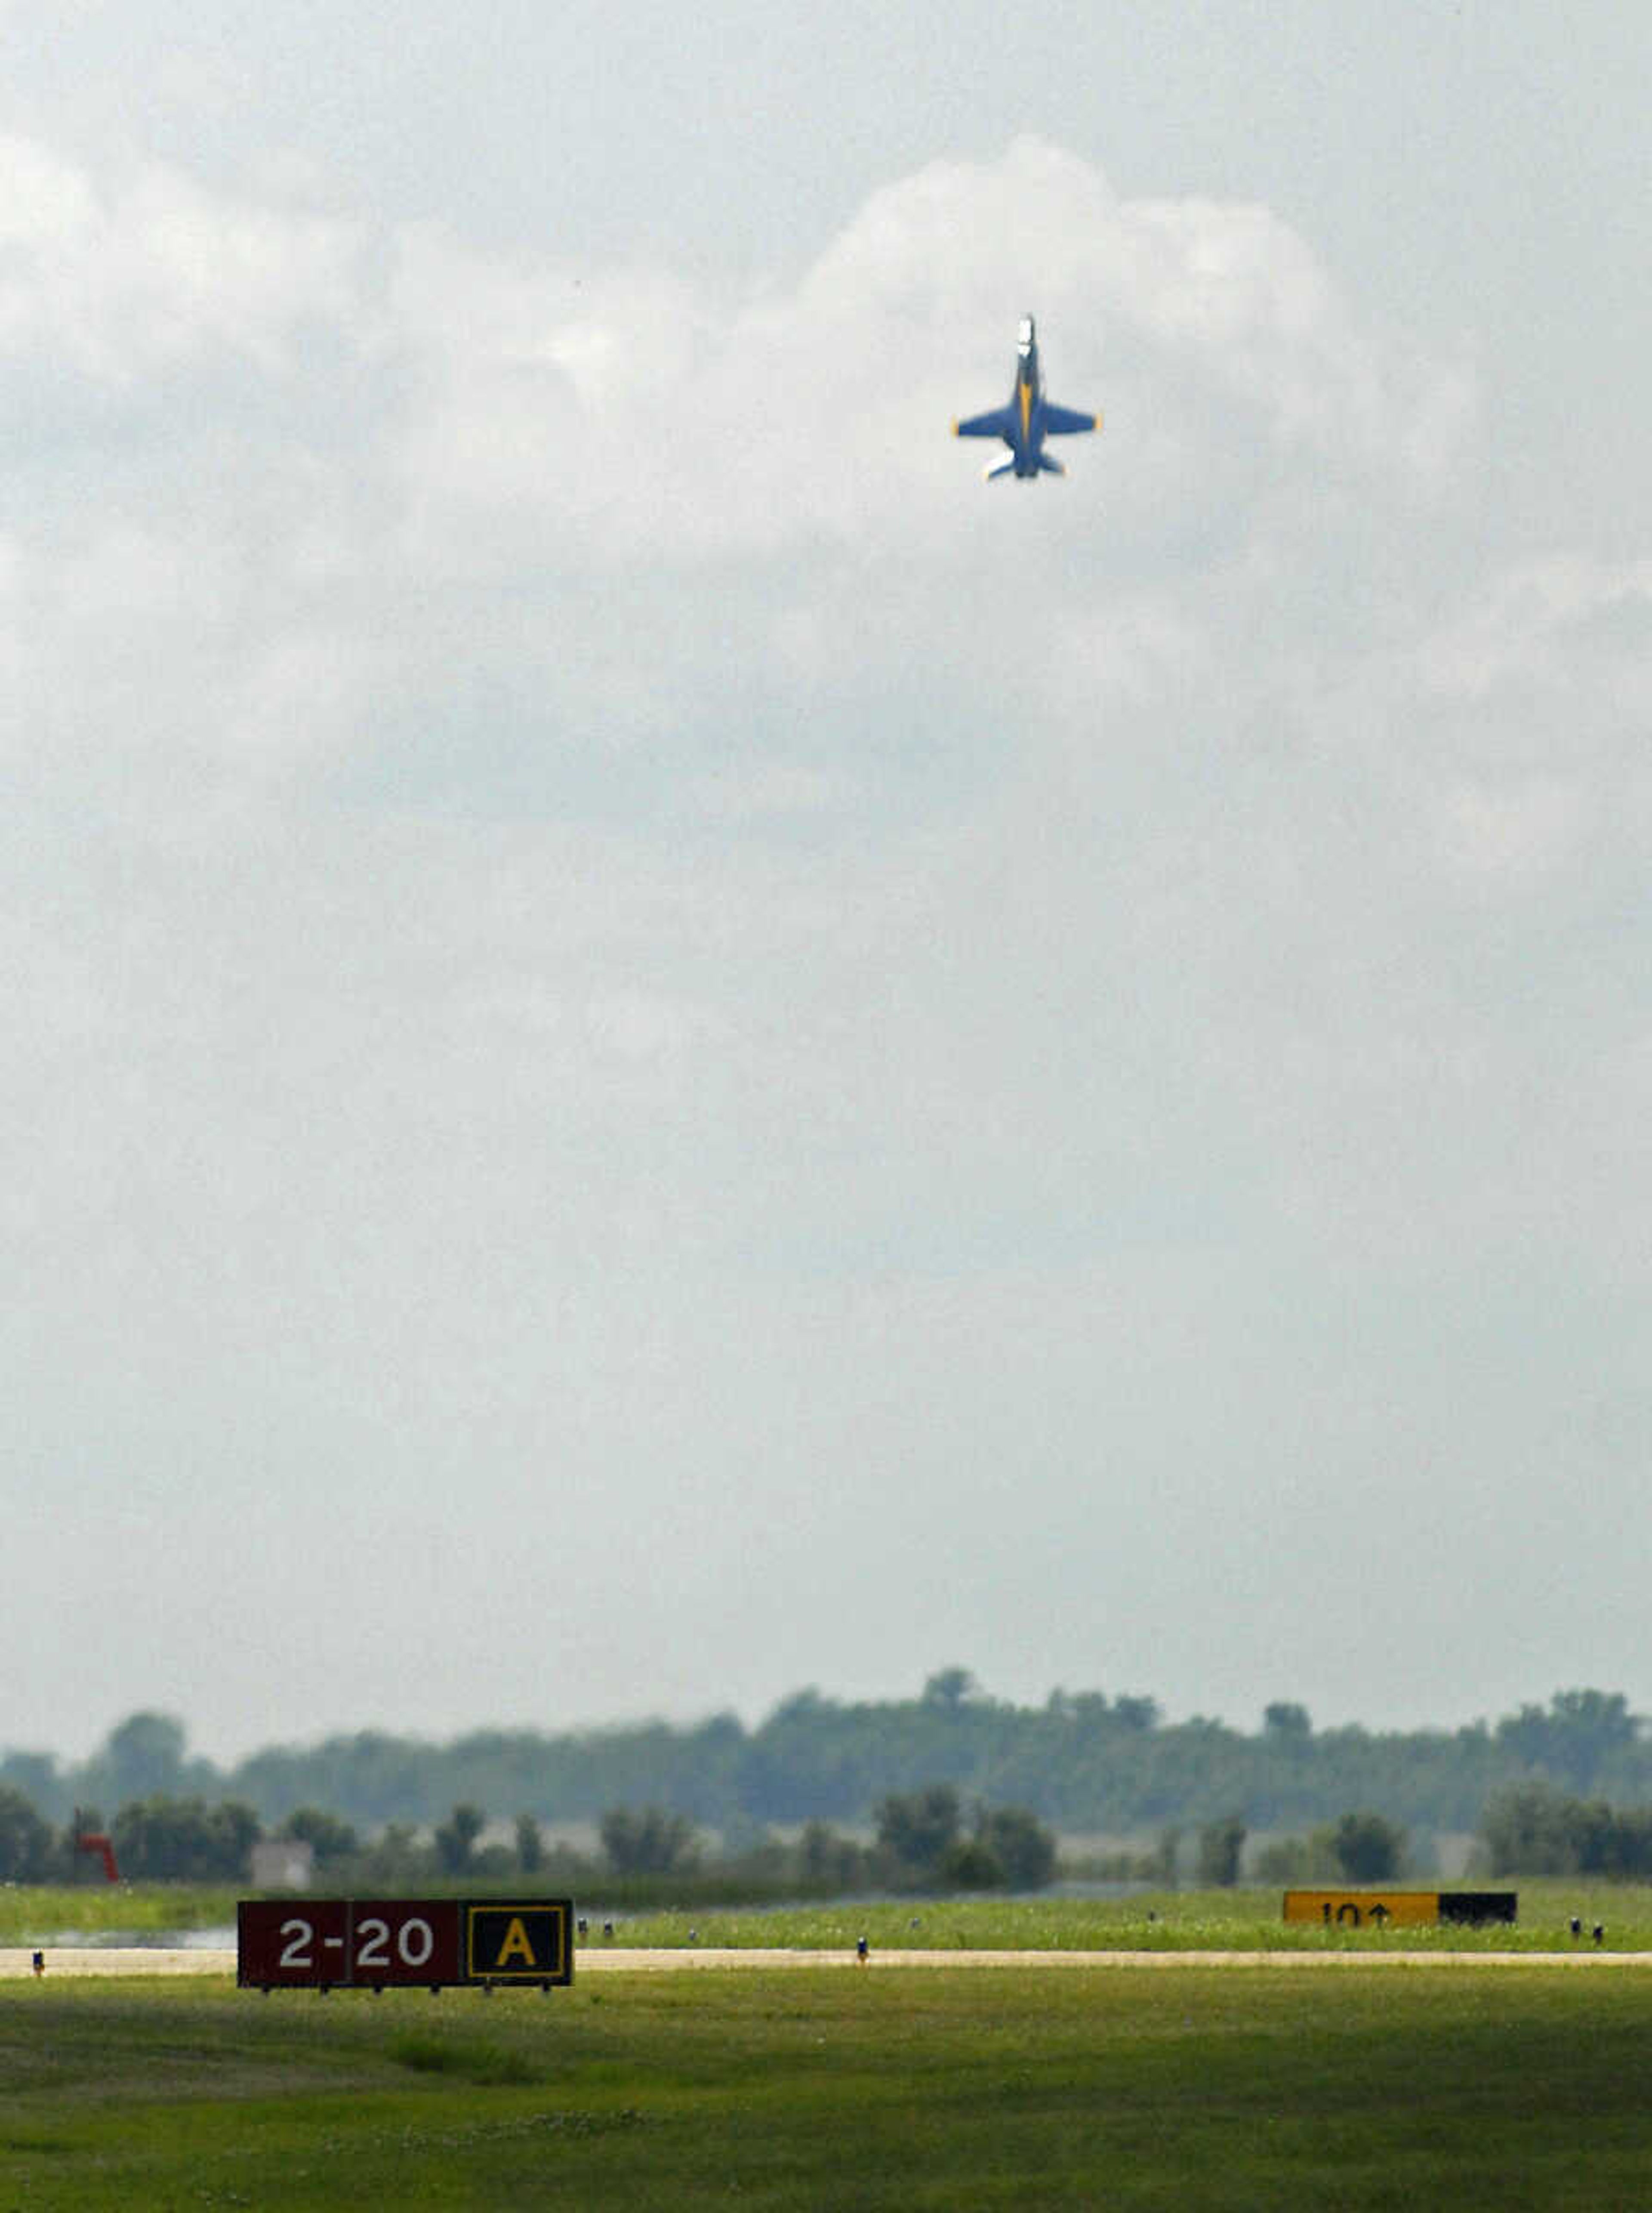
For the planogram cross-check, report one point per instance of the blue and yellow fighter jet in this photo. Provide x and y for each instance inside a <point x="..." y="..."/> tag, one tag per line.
<point x="1028" y="420"/>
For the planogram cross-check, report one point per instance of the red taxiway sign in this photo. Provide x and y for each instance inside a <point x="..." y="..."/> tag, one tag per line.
<point x="355" y="1943"/>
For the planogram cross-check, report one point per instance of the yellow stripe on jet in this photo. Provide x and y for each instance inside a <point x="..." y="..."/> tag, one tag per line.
<point x="1026" y="408"/>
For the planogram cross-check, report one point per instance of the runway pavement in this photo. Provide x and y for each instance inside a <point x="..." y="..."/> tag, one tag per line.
<point x="67" y="1963"/>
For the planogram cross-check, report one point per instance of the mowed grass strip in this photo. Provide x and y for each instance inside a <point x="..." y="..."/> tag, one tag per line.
<point x="1168" y="1921"/>
<point x="36" y="1913"/>
<point x="1186" y="1920"/>
<point x="900" y="2088"/>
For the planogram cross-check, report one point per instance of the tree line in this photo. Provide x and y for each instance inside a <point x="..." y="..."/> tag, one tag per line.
<point x="928" y="1839"/>
<point x="924" y="1840"/>
<point x="1535" y="1829"/>
<point x="1081" y="1762"/>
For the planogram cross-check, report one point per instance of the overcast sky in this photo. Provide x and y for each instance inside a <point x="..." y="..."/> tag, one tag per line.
<point x="657" y="1048"/>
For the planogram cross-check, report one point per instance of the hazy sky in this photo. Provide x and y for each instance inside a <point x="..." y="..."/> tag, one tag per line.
<point x="657" y="1049"/>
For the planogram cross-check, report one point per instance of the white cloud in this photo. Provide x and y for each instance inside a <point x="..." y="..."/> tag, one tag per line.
<point x="1528" y="624"/>
<point x="1532" y="829"/>
<point x="649" y="423"/>
<point x="139" y="273"/>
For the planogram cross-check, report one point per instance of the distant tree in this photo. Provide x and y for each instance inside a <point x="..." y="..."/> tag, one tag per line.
<point x="1024" y="1848"/>
<point x="950" y="1688"/>
<point x="327" y="1837"/>
<point x="1534" y="1829"/>
<point x="236" y="1829"/>
<point x="1299" y="1859"/>
<point x="1601" y="1715"/>
<point x="1631" y="1842"/>
<point x="1367" y="1849"/>
<point x="970" y="1863"/>
<point x="917" y="1828"/>
<point x="648" y="1840"/>
<point x="1220" y="1842"/>
<point x="1518" y="1828"/>
<point x="35" y="1774"/>
<point x="1602" y="1838"/>
<point x="26" y="1841"/>
<point x="455" y="1840"/>
<point x="395" y="1856"/>
<point x="1283" y="1722"/>
<point x="143" y="1757"/>
<point x="760" y="1858"/>
<point x="1082" y="1760"/>
<point x="1581" y="1732"/>
<point x="801" y="1705"/>
<point x="828" y="1861"/>
<point x="163" y="1839"/>
<point x="742" y="1838"/>
<point x="1166" y="1858"/>
<point x="1007" y="1848"/>
<point x="1091" y="1709"/>
<point x="530" y="1844"/>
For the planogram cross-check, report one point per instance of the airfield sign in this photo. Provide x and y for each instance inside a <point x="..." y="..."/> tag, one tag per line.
<point x="1398" y="1909"/>
<point x="351" y="1943"/>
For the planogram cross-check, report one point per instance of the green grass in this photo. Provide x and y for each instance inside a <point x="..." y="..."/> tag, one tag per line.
<point x="896" y="2088"/>
<point x="1213" y="1920"/>
<point x="29" y="1914"/>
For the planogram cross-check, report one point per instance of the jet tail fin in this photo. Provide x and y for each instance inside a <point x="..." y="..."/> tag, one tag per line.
<point x="1049" y="461"/>
<point x="999" y="468"/>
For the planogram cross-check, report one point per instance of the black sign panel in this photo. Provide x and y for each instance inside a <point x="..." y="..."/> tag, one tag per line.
<point x="517" y="1944"/>
<point x="1474" y="1907"/>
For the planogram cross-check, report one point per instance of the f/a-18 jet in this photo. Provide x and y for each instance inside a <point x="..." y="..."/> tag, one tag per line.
<point x="1029" y="419"/>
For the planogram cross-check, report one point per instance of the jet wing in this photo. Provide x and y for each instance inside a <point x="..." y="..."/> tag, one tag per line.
<point x="995" y="423"/>
<point x="1058" y="421"/>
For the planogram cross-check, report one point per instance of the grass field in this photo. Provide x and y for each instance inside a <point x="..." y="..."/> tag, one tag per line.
<point x="31" y="1914"/>
<point x="891" y="2087"/>
<point x="1210" y="1920"/>
<point x="1214" y="1920"/>
<point x="1119" y="2087"/>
